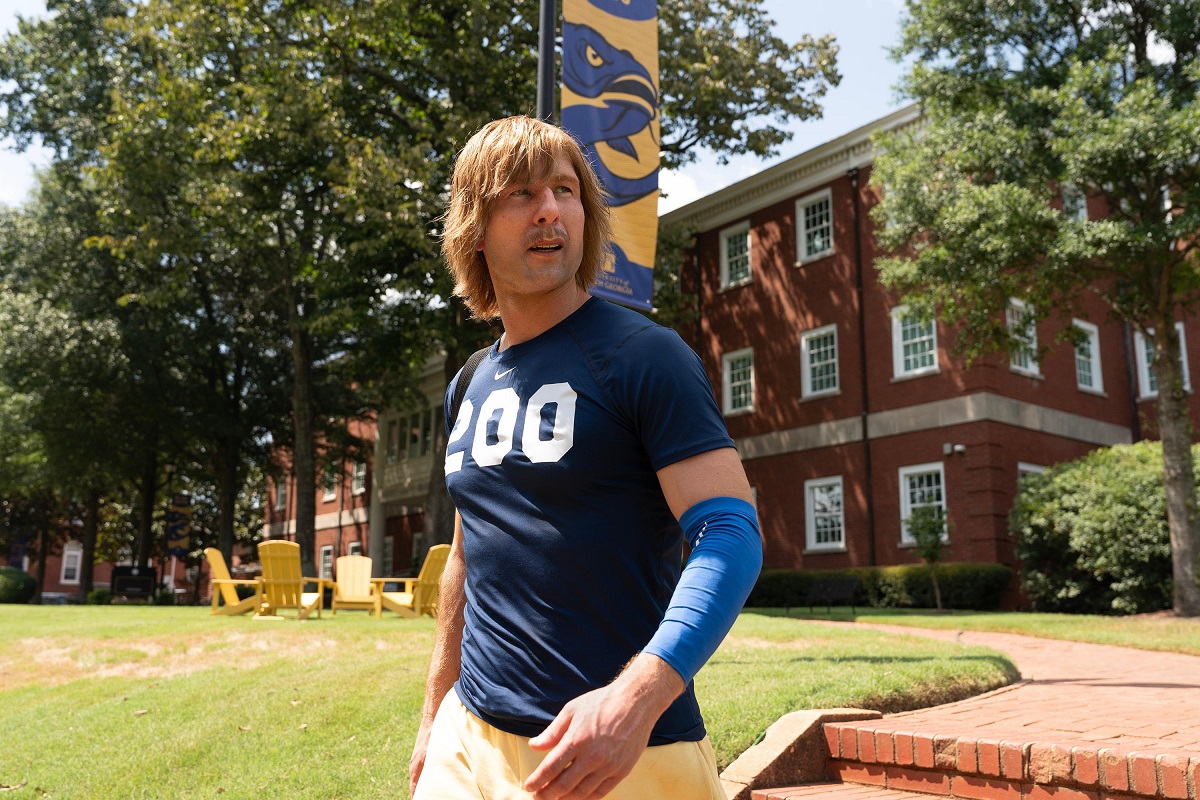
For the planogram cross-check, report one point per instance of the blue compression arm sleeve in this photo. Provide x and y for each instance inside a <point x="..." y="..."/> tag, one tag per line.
<point x="725" y="561"/>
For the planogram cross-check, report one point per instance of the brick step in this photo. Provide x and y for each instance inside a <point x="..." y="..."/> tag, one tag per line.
<point x="834" y="791"/>
<point x="874" y="753"/>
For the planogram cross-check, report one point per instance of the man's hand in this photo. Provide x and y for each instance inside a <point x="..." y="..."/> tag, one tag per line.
<point x="597" y="738"/>
<point x="417" y="762"/>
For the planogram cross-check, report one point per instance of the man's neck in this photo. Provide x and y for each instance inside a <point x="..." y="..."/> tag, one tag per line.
<point x="527" y="318"/>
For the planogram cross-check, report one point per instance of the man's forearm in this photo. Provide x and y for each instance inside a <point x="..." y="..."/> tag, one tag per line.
<point x="445" y="663"/>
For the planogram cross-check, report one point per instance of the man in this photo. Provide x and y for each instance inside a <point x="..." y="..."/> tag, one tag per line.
<point x="587" y="447"/>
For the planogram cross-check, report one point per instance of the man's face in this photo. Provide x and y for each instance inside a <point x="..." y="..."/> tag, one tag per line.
<point x="533" y="242"/>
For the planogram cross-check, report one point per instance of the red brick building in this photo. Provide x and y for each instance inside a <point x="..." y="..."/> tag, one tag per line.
<point x="373" y="506"/>
<point x="847" y="413"/>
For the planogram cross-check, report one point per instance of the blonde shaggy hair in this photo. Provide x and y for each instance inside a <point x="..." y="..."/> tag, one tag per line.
<point x="508" y="152"/>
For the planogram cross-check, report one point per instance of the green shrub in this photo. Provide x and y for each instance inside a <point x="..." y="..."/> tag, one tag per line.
<point x="100" y="597"/>
<point x="978" y="587"/>
<point x="164" y="598"/>
<point x="1092" y="533"/>
<point x="16" y="585"/>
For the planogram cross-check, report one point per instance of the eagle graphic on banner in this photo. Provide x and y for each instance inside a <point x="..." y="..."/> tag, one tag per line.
<point x="610" y="104"/>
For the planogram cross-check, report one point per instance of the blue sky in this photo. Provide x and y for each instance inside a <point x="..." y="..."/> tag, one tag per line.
<point x="864" y="28"/>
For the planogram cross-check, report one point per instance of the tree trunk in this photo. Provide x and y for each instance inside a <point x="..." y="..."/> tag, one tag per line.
<point x="148" y="494"/>
<point x="91" y="525"/>
<point x="227" y="498"/>
<point x="1175" y="429"/>
<point x="43" y="548"/>
<point x="304" y="449"/>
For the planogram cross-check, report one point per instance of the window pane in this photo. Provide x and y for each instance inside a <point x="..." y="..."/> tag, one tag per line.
<point x="71" y="567"/>
<point x="822" y="362"/>
<point x="924" y="489"/>
<point x="1151" y="379"/>
<point x="827" y="513"/>
<point x="1084" y="372"/>
<point x="1021" y="323"/>
<point x="737" y="256"/>
<point x="741" y="373"/>
<point x="818" y="228"/>
<point x="917" y="343"/>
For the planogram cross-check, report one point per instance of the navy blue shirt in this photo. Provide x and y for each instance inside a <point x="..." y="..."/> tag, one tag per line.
<point x="571" y="551"/>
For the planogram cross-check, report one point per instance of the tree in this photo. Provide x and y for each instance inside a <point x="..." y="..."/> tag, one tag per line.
<point x="927" y="525"/>
<point x="300" y="152"/>
<point x="1027" y="104"/>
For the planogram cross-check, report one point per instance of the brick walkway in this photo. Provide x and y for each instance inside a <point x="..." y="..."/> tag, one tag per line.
<point x="1086" y="722"/>
<point x="1075" y="694"/>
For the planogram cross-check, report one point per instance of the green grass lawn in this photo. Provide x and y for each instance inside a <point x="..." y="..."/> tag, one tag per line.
<point x="1146" y="631"/>
<point x="152" y="702"/>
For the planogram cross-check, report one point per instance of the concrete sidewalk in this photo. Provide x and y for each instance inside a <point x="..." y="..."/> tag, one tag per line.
<point x="1086" y="722"/>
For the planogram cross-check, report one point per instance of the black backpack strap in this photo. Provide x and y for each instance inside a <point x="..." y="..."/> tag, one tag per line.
<point x="464" y="380"/>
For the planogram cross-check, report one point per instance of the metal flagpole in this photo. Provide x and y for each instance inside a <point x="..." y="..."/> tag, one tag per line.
<point x="546" y="73"/>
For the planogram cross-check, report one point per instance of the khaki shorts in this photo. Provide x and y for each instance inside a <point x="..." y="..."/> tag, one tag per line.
<point x="469" y="759"/>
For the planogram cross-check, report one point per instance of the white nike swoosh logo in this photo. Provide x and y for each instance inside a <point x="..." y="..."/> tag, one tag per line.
<point x="500" y="375"/>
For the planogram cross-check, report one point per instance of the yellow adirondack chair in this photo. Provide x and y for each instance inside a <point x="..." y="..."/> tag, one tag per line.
<point x="282" y="583"/>
<point x="352" y="587"/>
<point x="223" y="587"/>
<point x="420" y="595"/>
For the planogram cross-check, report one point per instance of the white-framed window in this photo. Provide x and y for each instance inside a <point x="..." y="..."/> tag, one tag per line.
<point x="914" y="344"/>
<point x="72" y="561"/>
<point x="824" y="514"/>
<point x="417" y="538"/>
<point x="1087" y="358"/>
<point x="1021" y="323"/>
<point x="327" y="561"/>
<point x="358" y="483"/>
<point x="329" y="485"/>
<point x="281" y="491"/>
<point x="819" y="362"/>
<point x="1074" y="203"/>
<point x="735" y="255"/>
<point x="921" y="485"/>
<point x="814" y="226"/>
<point x="1143" y="351"/>
<point x="354" y="549"/>
<point x="737" y="369"/>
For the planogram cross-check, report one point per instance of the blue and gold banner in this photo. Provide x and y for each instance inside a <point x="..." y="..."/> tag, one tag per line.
<point x="179" y="525"/>
<point x="610" y="104"/>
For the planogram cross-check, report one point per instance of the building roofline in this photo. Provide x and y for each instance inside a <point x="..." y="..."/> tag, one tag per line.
<point x="788" y="178"/>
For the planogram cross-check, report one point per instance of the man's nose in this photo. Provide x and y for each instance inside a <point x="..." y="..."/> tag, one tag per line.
<point x="546" y="206"/>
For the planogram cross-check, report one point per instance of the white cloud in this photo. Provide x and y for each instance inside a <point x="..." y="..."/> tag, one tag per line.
<point x="679" y="190"/>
